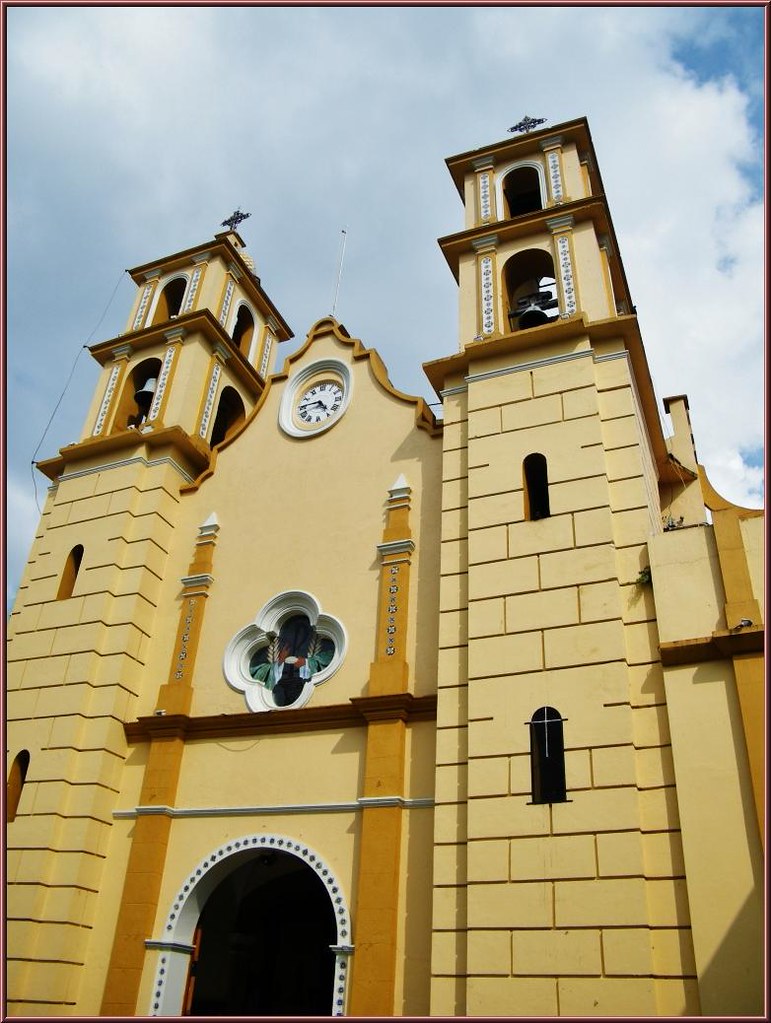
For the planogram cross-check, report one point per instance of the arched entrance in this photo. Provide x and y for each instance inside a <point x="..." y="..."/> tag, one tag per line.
<point x="263" y="943"/>
<point x="260" y="928"/>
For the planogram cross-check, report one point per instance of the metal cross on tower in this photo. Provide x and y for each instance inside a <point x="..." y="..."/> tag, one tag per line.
<point x="528" y="123"/>
<point x="235" y="219"/>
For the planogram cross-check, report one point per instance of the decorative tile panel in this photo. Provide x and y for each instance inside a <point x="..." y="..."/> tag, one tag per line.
<point x="108" y="393"/>
<point x="566" y="275"/>
<point x="210" y="395"/>
<point x="555" y="176"/>
<point x="485" y="208"/>
<point x="227" y="300"/>
<point x="139" y="318"/>
<point x="192" y="289"/>
<point x="486" y="282"/>
<point x="265" y="361"/>
<point x="163" y="380"/>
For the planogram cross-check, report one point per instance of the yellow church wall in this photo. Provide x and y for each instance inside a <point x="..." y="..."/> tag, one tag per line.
<point x="213" y="285"/>
<point x="188" y="517"/>
<point x="593" y="297"/>
<point x="723" y="858"/>
<point x="471" y="200"/>
<point x="713" y="778"/>
<point x="125" y="795"/>
<point x="264" y="770"/>
<point x="89" y="423"/>
<point x="248" y="518"/>
<point x="414" y="937"/>
<point x="753" y="538"/>
<point x="573" y="181"/>
<point x="469" y="316"/>
<point x="191" y="378"/>
<point x="684" y="562"/>
<point x="518" y="585"/>
<point x="93" y="644"/>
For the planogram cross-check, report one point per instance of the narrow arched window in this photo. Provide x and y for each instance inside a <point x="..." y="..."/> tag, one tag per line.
<point x="16" y="778"/>
<point x="547" y="757"/>
<point x="70" y="573"/>
<point x="243" y="331"/>
<point x="230" y="414"/>
<point x="536" y="484"/>
<point x="170" y="300"/>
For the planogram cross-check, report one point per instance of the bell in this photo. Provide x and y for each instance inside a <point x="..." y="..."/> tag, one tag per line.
<point x="532" y="316"/>
<point x="144" y="396"/>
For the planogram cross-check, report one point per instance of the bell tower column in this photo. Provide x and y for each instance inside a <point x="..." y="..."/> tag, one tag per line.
<point x="87" y="609"/>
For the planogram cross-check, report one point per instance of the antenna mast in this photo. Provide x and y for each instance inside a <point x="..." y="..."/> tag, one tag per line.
<point x="339" y="270"/>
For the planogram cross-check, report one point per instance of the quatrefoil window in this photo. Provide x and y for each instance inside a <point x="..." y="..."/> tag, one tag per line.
<point x="290" y="648"/>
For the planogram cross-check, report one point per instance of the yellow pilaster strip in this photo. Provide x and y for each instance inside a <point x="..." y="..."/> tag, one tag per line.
<point x="144" y="873"/>
<point x="750" y="686"/>
<point x="374" y="974"/>
<point x="742" y="605"/>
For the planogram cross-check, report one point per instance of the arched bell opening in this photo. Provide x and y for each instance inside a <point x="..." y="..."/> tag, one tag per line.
<point x="264" y="943"/>
<point x="243" y="330"/>
<point x="230" y="414"/>
<point x="170" y="300"/>
<point x="137" y="395"/>
<point x="530" y="288"/>
<point x="522" y="191"/>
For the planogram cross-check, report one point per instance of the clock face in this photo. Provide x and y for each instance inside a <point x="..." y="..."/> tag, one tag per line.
<point x="318" y="403"/>
<point x="316" y="398"/>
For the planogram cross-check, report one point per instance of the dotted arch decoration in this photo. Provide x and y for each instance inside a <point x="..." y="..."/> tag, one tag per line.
<point x="192" y="896"/>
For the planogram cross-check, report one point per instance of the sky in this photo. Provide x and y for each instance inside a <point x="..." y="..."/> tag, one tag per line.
<point x="133" y="132"/>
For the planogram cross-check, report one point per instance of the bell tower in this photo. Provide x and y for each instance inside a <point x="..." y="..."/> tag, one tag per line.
<point x="200" y="341"/>
<point x="556" y="824"/>
<point x="190" y="367"/>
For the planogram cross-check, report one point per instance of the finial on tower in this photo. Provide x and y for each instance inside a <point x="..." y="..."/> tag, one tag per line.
<point x="528" y="123"/>
<point x="235" y="219"/>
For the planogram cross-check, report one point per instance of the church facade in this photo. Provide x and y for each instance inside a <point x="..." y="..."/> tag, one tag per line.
<point x="318" y="704"/>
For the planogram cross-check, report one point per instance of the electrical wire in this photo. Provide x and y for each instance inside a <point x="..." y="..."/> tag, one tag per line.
<point x="67" y="384"/>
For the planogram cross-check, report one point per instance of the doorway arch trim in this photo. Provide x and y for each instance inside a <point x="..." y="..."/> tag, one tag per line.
<point x="175" y="946"/>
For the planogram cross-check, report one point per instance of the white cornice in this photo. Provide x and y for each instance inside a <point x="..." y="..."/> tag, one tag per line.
<point x="396" y="547"/>
<point x="121" y="463"/>
<point x="353" y="806"/>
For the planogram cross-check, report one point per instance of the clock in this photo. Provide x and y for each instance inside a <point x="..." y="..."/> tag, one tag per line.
<point x="315" y="398"/>
<point x="319" y="402"/>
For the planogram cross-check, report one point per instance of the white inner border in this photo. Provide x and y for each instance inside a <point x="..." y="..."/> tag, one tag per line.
<point x="269" y="619"/>
<point x="500" y="176"/>
<point x="159" y="289"/>
<point x="175" y="947"/>
<point x="297" y="383"/>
